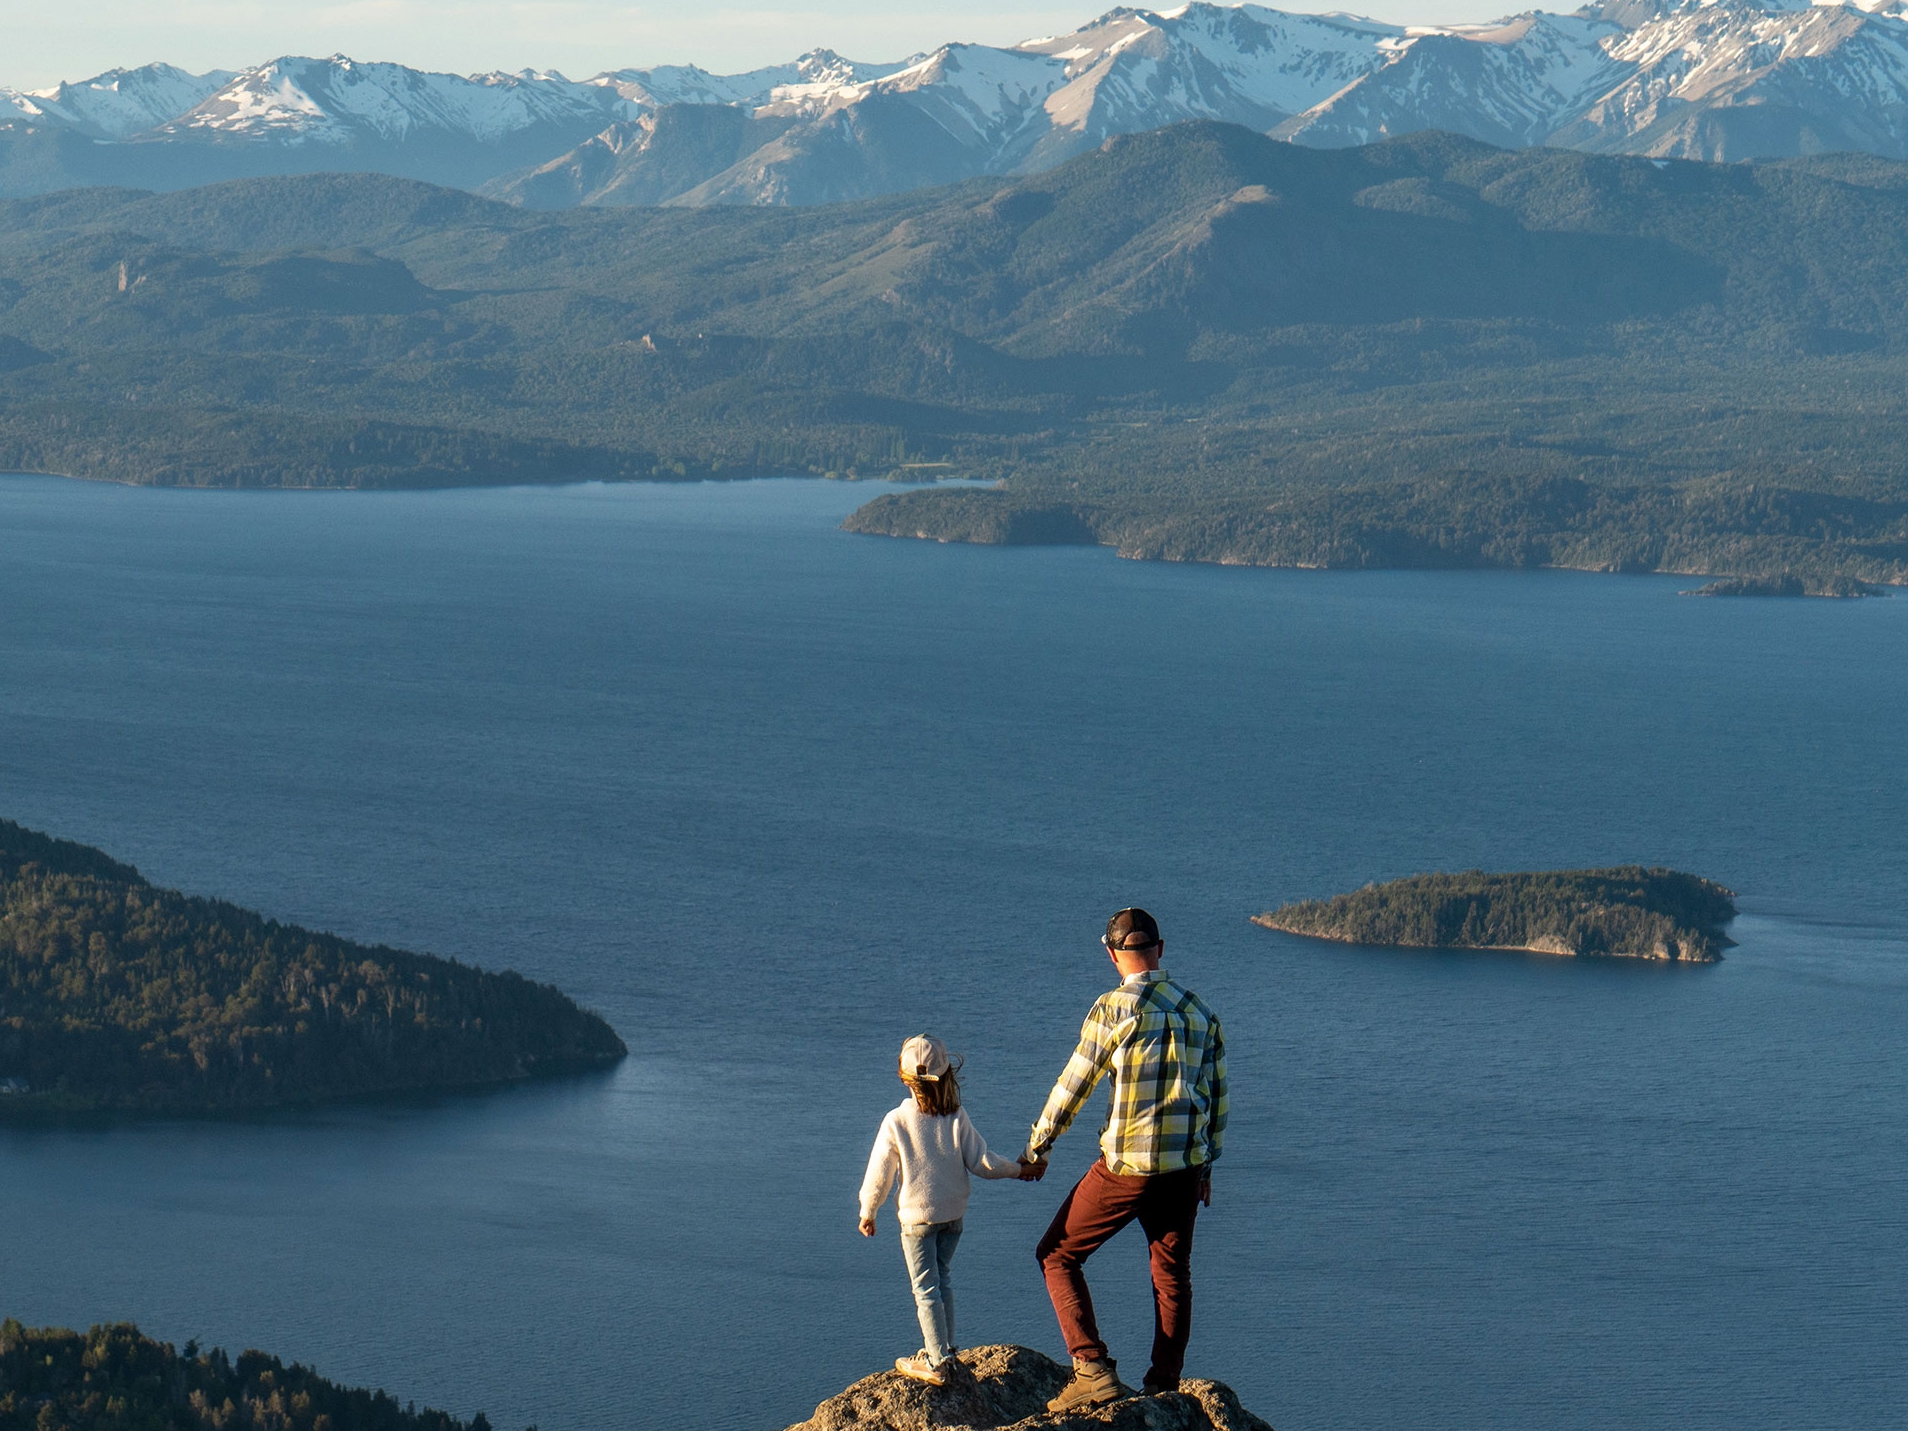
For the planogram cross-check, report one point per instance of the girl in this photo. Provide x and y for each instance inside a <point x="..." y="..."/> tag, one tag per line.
<point x="931" y="1147"/>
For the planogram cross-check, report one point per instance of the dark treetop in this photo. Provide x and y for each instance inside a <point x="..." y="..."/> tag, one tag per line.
<point x="1194" y="344"/>
<point x="1626" y="912"/>
<point x="117" y="995"/>
<point x="114" y="1379"/>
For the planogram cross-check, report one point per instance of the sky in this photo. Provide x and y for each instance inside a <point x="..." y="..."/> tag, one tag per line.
<point x="45" y="44"/>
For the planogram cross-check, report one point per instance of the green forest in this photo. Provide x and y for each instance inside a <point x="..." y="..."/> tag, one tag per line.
<point x="1193" y="344"/>
<point x="114" y="1379"/>
<point x="1623" y="912"/>
<point x="117" y="995"/>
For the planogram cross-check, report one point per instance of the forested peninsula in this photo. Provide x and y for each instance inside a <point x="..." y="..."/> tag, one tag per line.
<point x="1626" y="912"/>
<point x="116" y="995"/>
<point x="1196" y="344"/>
<point x="112" y="1378"/>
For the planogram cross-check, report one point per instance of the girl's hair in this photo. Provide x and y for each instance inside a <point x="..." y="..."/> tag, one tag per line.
<point x="939" y="1097"/>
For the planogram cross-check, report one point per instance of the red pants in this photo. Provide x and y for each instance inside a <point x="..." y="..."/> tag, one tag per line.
<point x="1100" y="1204"/>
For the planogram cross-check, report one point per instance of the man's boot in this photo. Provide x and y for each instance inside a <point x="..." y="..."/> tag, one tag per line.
<point x="1094" y="1384"/>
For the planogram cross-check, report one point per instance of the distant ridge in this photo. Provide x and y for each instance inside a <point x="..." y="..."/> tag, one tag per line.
<point x="1687" y="79"/>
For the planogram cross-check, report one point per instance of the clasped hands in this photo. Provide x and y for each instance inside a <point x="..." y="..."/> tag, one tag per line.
<point x="1032" y="1170"/>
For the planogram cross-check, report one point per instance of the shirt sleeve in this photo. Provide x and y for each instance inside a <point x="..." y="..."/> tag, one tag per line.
<point x="1076" y="1084"/>
<point x="883" y="1163"/>
<point x="974" y="1152"/>
<point x="1217" y="1105"/>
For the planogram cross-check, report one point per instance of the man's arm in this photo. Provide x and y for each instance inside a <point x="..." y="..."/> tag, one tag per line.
<point x="1076" y="1084"/>
<point x="1217" y="1103"/>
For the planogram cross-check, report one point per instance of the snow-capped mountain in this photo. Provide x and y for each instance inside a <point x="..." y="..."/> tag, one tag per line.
<point x="1510" y="84"/>
<point x="116" y="104"/>
<point x="340" y="101"/>
<point x="1708" y="79"/>
<point x="1735" y="81"/>
<point x="816" y="74"/>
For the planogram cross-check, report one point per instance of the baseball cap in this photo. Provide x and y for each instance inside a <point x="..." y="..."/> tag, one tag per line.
<point x="1131" y="930"/>
<point x="924" y="1057"/>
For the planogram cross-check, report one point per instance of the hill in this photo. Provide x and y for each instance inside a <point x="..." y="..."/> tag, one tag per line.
<point x="1198" y="343"/>
<point x="1627" y="912"/>
<point x="116" y="995"/>
<point x="114" y="1379"/>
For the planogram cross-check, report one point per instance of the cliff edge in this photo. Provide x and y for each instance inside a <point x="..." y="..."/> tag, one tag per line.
<point x="999" y="1387"/>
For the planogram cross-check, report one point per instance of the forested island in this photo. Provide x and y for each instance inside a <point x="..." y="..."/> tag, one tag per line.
<point x="1786" y="584"/>
<point x="1197" y="344"/>
<point x="1625" y="912"/>
<point x="112" y="1378"/>
<point x="118" y="995"/>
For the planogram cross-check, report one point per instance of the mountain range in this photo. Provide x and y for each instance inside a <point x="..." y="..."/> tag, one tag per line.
<point x="1690" y="79"/>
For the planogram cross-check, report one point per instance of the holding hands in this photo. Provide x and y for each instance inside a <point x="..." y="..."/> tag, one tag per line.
<point x="1032" y="1170"/>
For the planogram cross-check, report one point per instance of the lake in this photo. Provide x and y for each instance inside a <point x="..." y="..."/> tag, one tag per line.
<point x="772" y="798"/>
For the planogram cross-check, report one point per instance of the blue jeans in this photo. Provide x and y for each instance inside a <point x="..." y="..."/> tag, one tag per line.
<point x="929" y="1247"/>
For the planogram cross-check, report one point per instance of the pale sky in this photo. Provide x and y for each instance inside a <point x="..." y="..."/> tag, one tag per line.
<point x="45" y="43"/>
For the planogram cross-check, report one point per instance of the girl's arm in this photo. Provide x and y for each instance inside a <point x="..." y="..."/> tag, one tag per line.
<point x="883" y="1163"/>
<point x="974" y="1152"/>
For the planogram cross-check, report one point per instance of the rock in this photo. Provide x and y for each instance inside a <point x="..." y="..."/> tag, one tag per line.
<point x="1000" y="1387"/>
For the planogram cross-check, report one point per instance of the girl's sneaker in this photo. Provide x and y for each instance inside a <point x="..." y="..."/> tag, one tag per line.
<point x="917" y="1366"/>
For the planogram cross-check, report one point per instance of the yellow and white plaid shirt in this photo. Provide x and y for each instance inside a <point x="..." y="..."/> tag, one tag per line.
<point x="1166" y="1057"/>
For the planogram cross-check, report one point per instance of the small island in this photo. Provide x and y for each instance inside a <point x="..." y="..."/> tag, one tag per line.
<point x="118" y="996"/>
<point x="1841" y="588"/>
<point x="1627" y="912"/>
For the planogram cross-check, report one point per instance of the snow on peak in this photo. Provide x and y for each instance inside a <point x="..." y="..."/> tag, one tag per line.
<point x="118" y="103"/>
<point x="1613" y="74"/>
<point x="336" y="99"/>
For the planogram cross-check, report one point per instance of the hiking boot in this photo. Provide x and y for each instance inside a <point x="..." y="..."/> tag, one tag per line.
<point x="1094" y="1384"/>
<point x="918" y="1367"/>
<point x="1157" y="1385"/>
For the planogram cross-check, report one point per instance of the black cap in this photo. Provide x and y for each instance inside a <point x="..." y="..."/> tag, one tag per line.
<point x="1131" y="931"/>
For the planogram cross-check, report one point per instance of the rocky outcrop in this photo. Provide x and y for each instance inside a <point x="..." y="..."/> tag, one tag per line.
<point x="998" y="1387"/>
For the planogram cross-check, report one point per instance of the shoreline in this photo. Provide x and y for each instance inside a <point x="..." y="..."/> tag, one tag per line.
<point x="1876" y="586"/>
<point x="1556" y="951"/>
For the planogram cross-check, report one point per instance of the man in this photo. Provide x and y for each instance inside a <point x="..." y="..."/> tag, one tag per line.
<point x="1163" y="1052"/>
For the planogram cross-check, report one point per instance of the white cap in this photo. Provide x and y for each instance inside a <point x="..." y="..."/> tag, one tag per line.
<point x="924" y="1057"/>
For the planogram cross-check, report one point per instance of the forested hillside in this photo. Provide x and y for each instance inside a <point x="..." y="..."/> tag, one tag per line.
<point x="115" y="994"/>
<point x="113" y="1379"/>
<point x="1197" y="343"/>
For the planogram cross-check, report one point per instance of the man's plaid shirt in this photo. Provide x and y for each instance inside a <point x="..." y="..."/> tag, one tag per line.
<point x="1166" y="1057"/>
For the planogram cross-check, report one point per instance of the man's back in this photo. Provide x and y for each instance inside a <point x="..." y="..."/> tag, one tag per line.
<point x="1164" y="1052"/>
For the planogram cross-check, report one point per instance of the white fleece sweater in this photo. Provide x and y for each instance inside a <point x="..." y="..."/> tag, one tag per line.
<point x="931" y="1155"/>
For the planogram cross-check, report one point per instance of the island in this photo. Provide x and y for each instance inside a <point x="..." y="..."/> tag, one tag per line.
<point x="119" y="996"/>
<point x="1786" y="584"/>
<point x="114" y="1378"/>
<point x="1626" y="912"/>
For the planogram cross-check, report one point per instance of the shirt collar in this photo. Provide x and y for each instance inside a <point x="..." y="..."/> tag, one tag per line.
<point x="1145" y="976"/>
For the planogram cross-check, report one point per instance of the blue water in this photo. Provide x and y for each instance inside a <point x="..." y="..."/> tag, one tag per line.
<point x="772" y="797"/>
